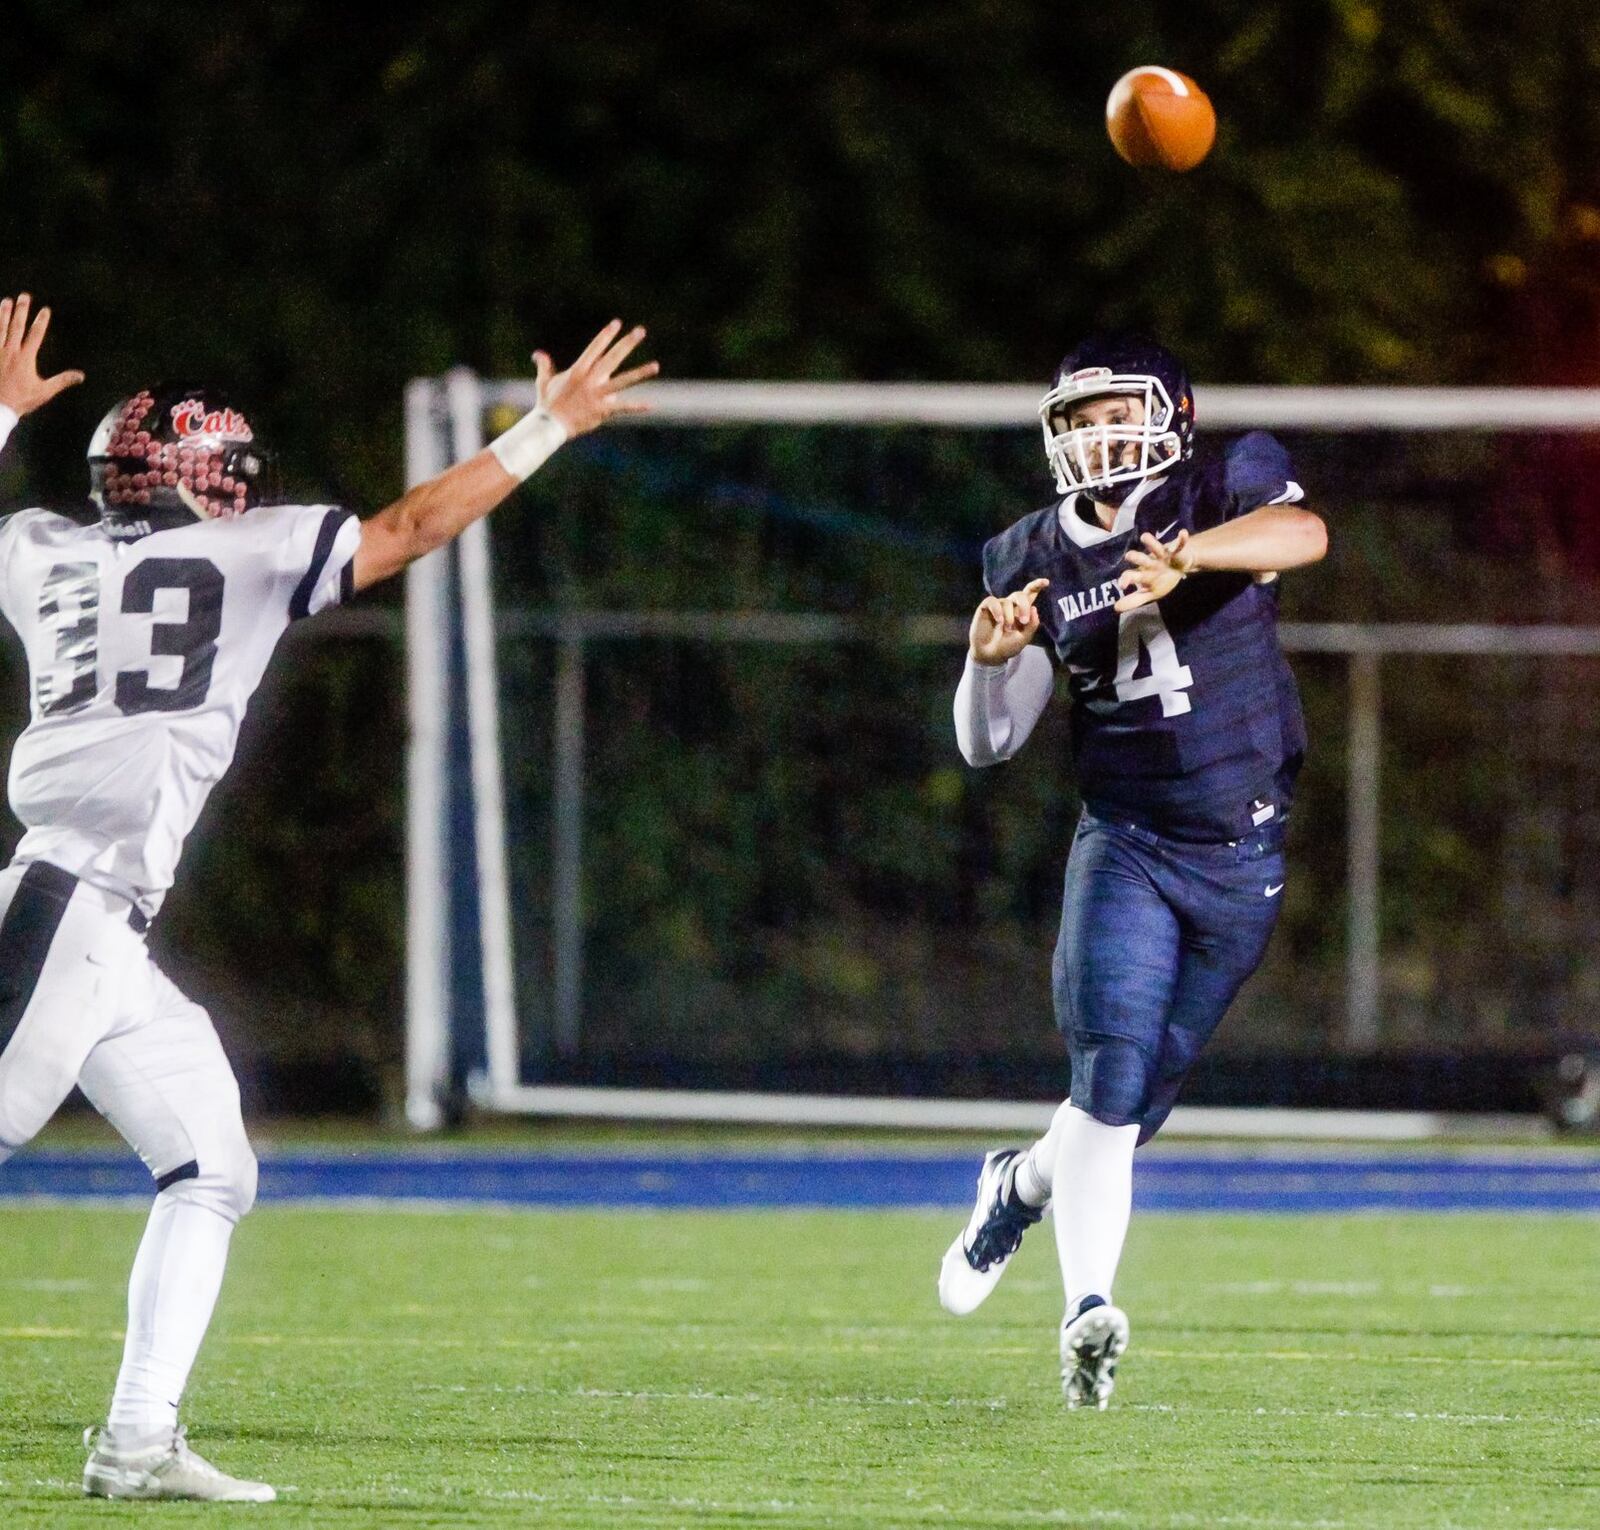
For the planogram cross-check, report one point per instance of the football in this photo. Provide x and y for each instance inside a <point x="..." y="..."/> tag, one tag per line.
<point x="1159" y="117"/>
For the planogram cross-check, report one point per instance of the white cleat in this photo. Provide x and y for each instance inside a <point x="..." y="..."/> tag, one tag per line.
<point x="974" y="1263"/>
<point x="1091" y="1344"/>
<point x="166" y="1471"/>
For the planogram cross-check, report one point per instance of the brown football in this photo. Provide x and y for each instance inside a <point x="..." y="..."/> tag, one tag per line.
<point x="1159" y="117"/>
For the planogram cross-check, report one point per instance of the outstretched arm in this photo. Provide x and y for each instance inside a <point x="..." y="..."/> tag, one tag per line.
<point x="583" y="397"/>
<point x="1266" y="541"/>
<point x="22" y="389"/>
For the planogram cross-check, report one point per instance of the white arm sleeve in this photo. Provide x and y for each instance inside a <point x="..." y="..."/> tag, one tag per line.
<point x="8" y="423"/>
<point x="998" y="704"/>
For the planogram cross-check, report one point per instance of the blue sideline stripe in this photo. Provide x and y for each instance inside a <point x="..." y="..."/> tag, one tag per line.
<point x="1211" y="1182"/>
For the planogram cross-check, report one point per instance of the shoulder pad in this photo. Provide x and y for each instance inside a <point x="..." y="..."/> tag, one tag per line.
<point x="1256" y="465"/>
<point x="41" y="519"/>
<point x="1006" y="556"/>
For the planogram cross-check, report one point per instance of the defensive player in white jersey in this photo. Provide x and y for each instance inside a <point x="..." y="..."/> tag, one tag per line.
<point x="147" y="630"/>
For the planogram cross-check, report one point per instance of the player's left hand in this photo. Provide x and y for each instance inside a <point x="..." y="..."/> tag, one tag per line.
<point x="22" y="389"/>
<point x="1156" y="571"/>
<point x="588" y="393"/>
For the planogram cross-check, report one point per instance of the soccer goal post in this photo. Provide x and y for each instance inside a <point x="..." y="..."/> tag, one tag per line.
<point x="467" y="990"/>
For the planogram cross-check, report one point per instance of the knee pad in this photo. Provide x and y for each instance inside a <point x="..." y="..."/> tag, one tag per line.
<point x="1178" y="1056"/>
<point x="1111" y="1078"/>
<point x="223" y="1180"/>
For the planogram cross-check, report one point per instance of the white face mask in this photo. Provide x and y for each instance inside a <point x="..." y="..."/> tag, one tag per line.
<point x="1091" y="457"/>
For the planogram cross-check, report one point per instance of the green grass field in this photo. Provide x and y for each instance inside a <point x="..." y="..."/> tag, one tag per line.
<point x="794" y="1369"/>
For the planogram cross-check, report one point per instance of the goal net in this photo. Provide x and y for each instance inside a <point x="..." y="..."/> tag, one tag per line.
<point x="689" y="836"/>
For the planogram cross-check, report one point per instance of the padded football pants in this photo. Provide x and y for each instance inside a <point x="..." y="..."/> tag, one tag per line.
<point x="81" y="1002"/>
<point x="1157" y="937"/>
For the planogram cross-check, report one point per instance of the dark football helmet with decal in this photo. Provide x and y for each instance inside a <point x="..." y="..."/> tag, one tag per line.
<point x="176" y="453"/>
<point x="1108" y="461"/>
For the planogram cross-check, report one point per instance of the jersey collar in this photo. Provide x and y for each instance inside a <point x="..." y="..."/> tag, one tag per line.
<point x="1080" y="531"/>
<point x="129" y="525"/>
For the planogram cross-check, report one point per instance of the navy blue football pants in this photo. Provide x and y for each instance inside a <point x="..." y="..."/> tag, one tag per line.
<point x="1157" y="937"/>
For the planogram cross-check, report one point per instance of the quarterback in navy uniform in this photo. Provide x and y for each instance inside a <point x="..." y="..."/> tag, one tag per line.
<point x="1153" y="581"/>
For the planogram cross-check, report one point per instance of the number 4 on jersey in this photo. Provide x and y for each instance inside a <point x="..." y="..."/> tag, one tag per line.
<point x="1143" y="631"/>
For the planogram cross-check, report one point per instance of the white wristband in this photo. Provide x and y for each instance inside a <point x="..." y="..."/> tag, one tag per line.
<point x="529" y="444"/>
<point x="8" y="423"/>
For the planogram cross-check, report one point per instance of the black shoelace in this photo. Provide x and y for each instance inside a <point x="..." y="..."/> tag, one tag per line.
<point x="1002" y="1231"/>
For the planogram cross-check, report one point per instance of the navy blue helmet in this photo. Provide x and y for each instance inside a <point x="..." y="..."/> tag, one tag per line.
<point x="1107" y="460"/>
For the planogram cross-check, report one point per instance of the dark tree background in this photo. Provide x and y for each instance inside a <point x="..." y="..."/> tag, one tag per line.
<point x="315" y="208"/>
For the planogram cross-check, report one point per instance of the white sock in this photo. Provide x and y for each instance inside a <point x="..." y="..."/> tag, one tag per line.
<point x="1092" y="1189"/>
<point x="173" y="1289"/>
<point x="1036" y="1173"/>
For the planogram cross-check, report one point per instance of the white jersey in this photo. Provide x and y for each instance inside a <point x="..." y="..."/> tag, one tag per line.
<point x="142" y="656"/>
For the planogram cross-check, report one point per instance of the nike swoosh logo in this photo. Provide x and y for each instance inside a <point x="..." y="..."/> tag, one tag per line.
<point x="1161" y="536"/>
<point x="1272" y="892"/>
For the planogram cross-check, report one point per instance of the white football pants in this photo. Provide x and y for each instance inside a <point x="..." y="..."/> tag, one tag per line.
<point x="81" y="1002"/>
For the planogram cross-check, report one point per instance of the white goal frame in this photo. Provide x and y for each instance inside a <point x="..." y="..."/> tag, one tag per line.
<point x="450" y="592"/>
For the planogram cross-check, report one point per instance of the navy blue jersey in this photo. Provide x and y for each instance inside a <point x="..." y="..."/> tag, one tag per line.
<point x="1185" y="716"/>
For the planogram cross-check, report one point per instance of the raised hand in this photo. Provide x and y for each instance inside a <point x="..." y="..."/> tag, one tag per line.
<point x="1003" y="625"/>
<point x="1156" y="571"/>
<point x="588" y="393"/>
<point x="22" y="389"/>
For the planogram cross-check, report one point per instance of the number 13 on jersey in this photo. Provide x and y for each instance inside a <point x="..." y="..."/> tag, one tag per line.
<point x="69" y="606"/>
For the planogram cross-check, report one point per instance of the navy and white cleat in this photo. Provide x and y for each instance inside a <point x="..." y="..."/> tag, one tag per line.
<point x="974" y="1263"/>
<point x="1092" y="1341"/>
